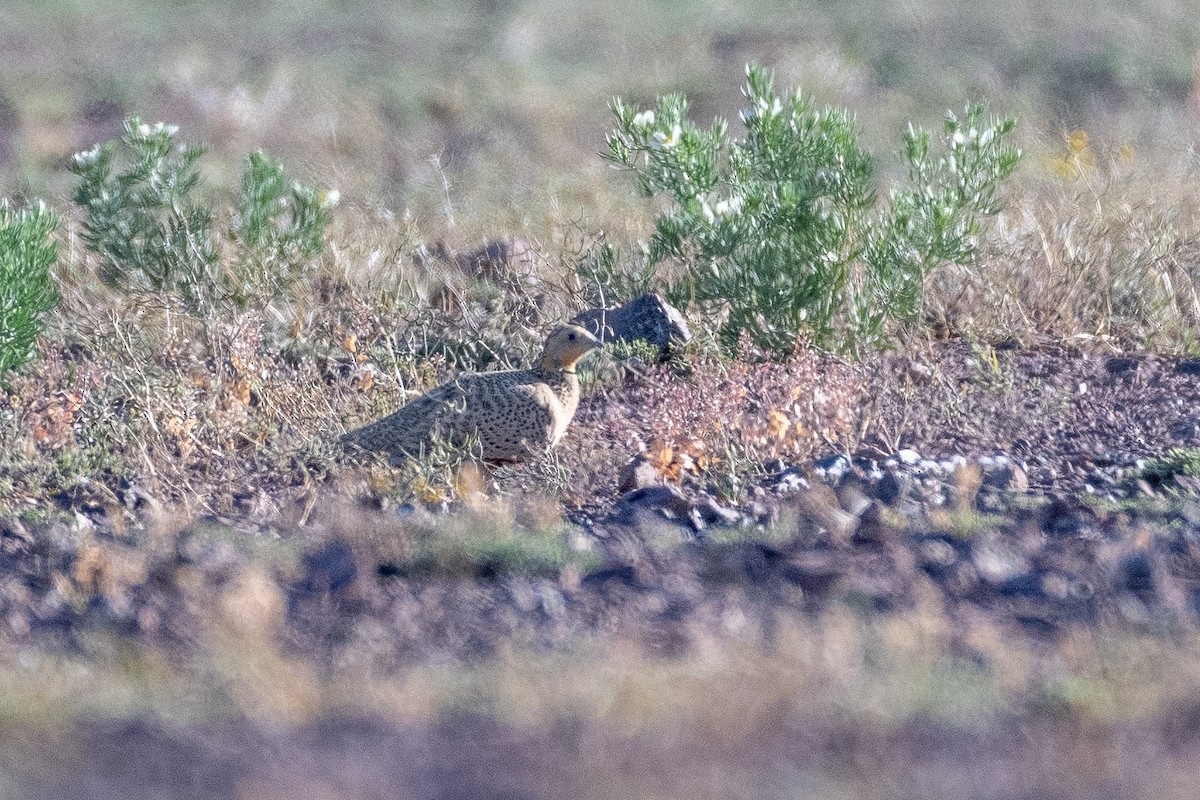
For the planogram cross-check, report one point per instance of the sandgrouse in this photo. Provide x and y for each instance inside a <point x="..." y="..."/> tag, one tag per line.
<point x="515" y="413"/>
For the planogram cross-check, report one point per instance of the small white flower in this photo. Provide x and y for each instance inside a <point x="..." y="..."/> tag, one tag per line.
<point x="158" y="127"/>
<point x="724" y="208"/>
<point x="706" y="210"/>
<point x="644" y="119"/>
<point x="665" y="141"/>
<point x="88" y="156"/>
<point x="769" y="109"/>
<point x="330" y="198"/>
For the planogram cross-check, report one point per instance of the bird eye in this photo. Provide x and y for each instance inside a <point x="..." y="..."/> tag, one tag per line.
<point x="571" y="337"/>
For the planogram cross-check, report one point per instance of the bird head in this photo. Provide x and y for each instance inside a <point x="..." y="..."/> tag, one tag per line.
<point x="565" y="346"/>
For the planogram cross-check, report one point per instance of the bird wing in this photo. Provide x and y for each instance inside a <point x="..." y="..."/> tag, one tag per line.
<point x="546" y="409"/>
<point x="412" y="427"/>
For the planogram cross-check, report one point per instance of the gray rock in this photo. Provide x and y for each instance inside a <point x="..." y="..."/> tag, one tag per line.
<point x="328" y="569"/>
<point x="714" y="513"/>
<point x="649" y="318"/>
<point x="996" y="561"/>
<point x="937" y="554"/>
<point x="892" y="487"/>
<point x="667" y="500"/>
<point x="790" y="480"/>
<point x="852" y="497"/>
<point x="763" y="513"/>
<point x="1007" y="476"/>
<point x="1120" y="364"/>
<point x="493" y="260"/>
<point x="14" y="538"/>
<point x="832" y="468"/>
<point x="638" y="474"/>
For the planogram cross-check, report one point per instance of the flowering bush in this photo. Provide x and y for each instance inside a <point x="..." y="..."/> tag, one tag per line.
<point x="151" y="235"/>
<point x="781" y="229"/>
<point x="141" y="221"/>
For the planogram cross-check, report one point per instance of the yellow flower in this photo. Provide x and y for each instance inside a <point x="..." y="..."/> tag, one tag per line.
<point x="1079" y="159"/>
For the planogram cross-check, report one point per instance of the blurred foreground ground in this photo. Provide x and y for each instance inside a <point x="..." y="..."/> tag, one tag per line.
<point x="957" y="631"/>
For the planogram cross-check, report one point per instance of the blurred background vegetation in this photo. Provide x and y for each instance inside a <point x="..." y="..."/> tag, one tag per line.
<point x="488" y="117"/>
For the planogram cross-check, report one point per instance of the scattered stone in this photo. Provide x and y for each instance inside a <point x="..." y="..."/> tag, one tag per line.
<point x="763" y="513"/>
<point x="1026" y="584"/>
<point x="1068" y="518"/>
<point x="1186" y="430"/>
<point x="496" y="260"/>
<point x="815" y="573"/>
<point x="1137" y="575"/>
<point x="1120" y="364"/>
<point x="775" y="465"/>
<point x="83" y="524"/>
<point x="14" y="538"/>
<point x="638" y="474"/>
<point x="821" y="505"/>
<point x="667" y="500"/>
<point x="713" y="513"/>
<point x="892" y="487"/>
<point x="852" y="497"/>
<point x="937" y="555"/>
<point x="328" y="569"/>
<point x="788" y="481"/>
<point x="552" y="602"/>
<point x="649" y="318"/>
<point x="626" y="574"/>
<point x="832" y="468"/>
<point x="1006" y="476"/>
<point x="996" y="562"/>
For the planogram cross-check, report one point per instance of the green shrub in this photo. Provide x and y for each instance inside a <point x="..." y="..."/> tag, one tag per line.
<point x="280" y="228"/>
<point x="26" y="288"/>
<point x="141" y="220"/>
<point x="1178" y="462"/>
<point x="151" y="234"/>
<point x="781" y="229"/>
